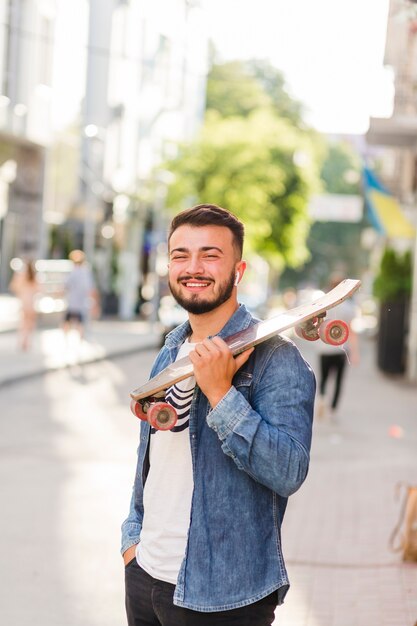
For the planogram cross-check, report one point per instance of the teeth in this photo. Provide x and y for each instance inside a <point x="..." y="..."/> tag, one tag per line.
<point x="196" y="284"/>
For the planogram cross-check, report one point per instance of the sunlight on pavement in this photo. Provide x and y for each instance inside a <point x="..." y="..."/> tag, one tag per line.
<point x="10" y="311"/>
<point x="86" y="403"/>
<point x="59" y="349"/>
<point x="93" y="426"/>
<point x="296" y="611"/>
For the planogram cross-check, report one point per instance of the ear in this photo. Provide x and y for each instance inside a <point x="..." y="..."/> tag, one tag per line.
<point x="240" y="270"/>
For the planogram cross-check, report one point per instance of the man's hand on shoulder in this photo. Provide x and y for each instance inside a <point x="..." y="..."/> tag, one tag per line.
<point x="215" y="366"/>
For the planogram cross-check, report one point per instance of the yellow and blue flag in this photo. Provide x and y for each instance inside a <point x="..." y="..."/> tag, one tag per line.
<point x="384" y="210"/>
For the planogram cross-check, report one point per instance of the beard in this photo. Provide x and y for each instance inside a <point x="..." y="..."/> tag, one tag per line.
<point x="196" y="303"/>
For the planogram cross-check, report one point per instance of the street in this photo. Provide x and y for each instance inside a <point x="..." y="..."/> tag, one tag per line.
<point x="68" y="444"/>
<point x="336" y="532"/>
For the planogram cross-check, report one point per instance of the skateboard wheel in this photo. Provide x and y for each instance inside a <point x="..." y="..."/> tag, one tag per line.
<point x="162" y="416"/>
<point x="334" y="332"/>
<point x="137" y="410"/>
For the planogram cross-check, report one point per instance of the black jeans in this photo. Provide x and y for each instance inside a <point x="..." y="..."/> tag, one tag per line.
<point x="149" y="602"/>
<point x="332" y="363"/>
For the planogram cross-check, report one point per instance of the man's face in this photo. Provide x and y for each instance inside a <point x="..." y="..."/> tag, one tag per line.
<point x="202" y="268"/>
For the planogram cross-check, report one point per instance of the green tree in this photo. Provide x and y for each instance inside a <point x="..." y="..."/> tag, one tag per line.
<point x="232" y="91"/>
<point x="249" y="164"/>
<point x="241" y="87"/>
<point x="255" y="157"/>
<point x="334" y="245"/>
<point x="340" y="170"/>
<point x="273" y="83"/>
<point x="394" y="278"/>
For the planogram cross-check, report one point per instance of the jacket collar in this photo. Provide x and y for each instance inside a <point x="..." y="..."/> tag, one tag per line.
<point x="240" y="320"/>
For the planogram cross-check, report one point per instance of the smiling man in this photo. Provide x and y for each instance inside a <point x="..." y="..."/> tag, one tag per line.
<point x="202" y="542"/>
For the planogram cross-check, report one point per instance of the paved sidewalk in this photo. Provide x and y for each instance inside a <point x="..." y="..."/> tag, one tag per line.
<point x="9" y="312"/>
<point x="52" y="350"/>
<point x="337" y="527"/>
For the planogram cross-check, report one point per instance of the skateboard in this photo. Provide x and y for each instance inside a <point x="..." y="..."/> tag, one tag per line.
<point x="308" y="320"/>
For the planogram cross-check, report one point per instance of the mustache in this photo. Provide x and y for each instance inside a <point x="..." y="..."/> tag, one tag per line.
<point x="187" y="278"/>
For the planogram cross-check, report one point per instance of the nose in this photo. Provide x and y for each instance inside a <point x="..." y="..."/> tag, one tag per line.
<point x="195" y="266"/>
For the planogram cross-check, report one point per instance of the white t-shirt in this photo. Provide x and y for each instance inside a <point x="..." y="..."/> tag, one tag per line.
<point x="168" y="489"/>
<point x="79" y="285"/>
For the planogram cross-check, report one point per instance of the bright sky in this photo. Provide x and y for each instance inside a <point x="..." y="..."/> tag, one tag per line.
<point x="330" y="51"/>
<point x="69" y="60"/>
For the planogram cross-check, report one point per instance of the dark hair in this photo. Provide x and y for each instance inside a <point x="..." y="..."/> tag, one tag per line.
<point x="210" y="215"/>
<point x="30" y="271"/>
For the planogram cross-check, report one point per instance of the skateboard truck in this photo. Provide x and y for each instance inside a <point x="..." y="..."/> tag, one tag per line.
<point x="332" y="332"/>
<point x="160" y="415"/>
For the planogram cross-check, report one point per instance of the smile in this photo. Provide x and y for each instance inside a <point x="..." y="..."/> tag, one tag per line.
<point x="194" y="284"/>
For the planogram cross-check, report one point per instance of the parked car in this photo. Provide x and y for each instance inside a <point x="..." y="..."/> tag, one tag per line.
<point x="52" y="275"/>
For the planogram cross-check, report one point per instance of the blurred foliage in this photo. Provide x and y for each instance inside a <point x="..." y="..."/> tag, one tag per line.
<point x="394" y="277"/>
<point x="253" y="159"/>
<point x="239" y="88"/>
<point x="232" y="91"/>
<point x="334" y="245"/>
<point x="273" y="82"/>
<point x="60" y="242"/>
<point x="63" y="179"/>
<point x="341" y="169"/>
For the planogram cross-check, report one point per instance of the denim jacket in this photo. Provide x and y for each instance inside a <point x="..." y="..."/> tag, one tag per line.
<point x="249" y="454"/>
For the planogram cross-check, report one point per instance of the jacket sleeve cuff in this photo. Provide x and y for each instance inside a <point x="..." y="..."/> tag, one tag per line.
<point x="128" y="545"/>
<point x="130" y="535"/>
<point x="228" y="412"/>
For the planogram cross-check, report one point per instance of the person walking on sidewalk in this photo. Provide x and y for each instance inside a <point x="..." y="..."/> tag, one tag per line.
<point x="82" y="297"/>
<point x="25" y="286"/>
<point x="333" y="359"/>
<point x="202" y="541"/>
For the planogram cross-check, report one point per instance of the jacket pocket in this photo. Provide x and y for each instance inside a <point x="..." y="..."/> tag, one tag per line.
<point x="243" y="383"/>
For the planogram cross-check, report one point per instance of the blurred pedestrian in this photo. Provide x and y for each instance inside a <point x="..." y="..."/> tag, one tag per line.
<point x="333" y="359"/>
<point x="25" y="286"/>
<point x="81" y="293"/>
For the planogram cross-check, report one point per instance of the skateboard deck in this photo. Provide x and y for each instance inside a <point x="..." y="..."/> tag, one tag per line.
<point x="307" y="319"/>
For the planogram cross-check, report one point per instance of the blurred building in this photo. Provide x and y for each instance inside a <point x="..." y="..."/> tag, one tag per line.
<point x="100" y="92"/>
<point x="141" y="100"/>
<point x="398" y="134"/>
<point x="25" y="95"/>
